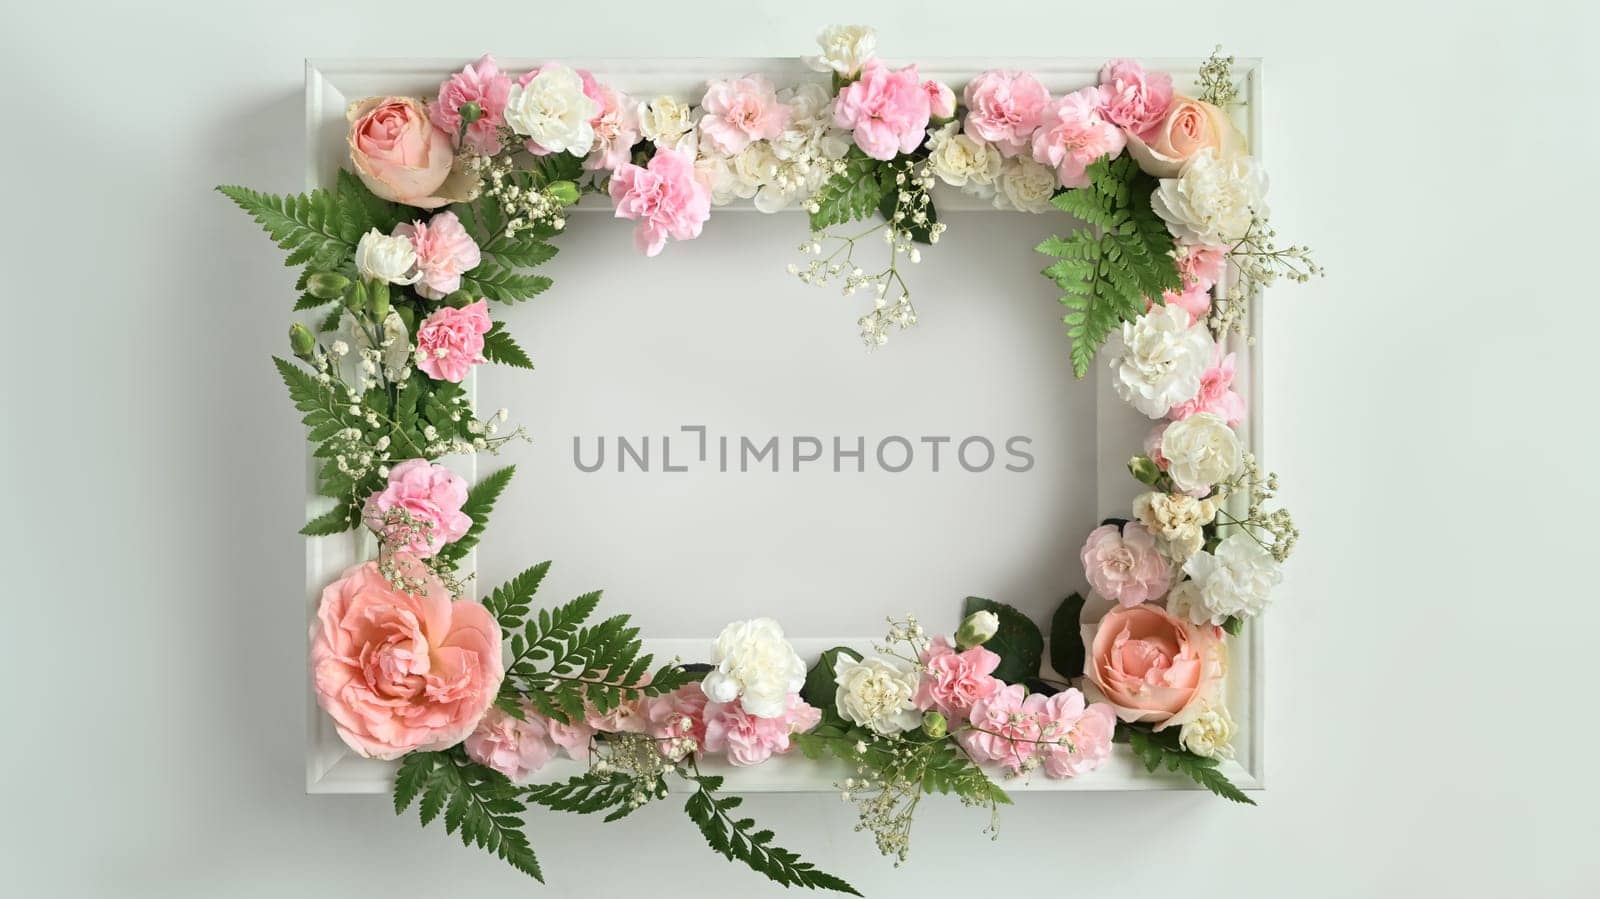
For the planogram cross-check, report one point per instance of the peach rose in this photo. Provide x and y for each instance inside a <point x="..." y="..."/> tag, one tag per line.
<point x="400" y="156"/>
<point x="1189" y="127"/>
<point x="401" y="671"/>
<point x="1151" y="666"/>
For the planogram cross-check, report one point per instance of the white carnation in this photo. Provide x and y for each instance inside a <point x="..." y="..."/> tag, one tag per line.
<point x="1162" y="359"/>
<point x="1209" y="734"/>
<point x="1236" y="579"/>
<point x="963" y="161"/>
<point x="806" y="149"/>
<point x="1212" y="201"/>
<point x="754" y="664"/>
<point x="553" y="111"/>
<point x="1178" y="521"/>
<point x="1201" y="451"/>
<point x="665" y="122"/>
<point x="1025" y="185"/>
<point x="877" y="693"/>
<point x="392" y="260"/>
<point x="845" y="49"/>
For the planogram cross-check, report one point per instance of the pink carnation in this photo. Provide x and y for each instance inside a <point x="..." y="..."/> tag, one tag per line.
<point x="748" y="740"/>
<point x="1004" y="108"/>
<point x="622" y="718"/>
<point x="1004" y="727"/>
<point x="616" y="130"/>
<point x="741" y="111"/>
<point x="666" y="198"/>
<point x="573" y="738"/>
<point x="1082" y="735"/>
<point x="1194" y="299"/>
<point x="953" y="681"/>
<point x="677" y="721"/>
<point x="941" y="99"/>
<point x="1135" y="99"/>
<point x="1072" y="133"/>
<point x="444" y="251"/>
<point x="515" y="748"/>
<point x="1152" y="445"/>
<point x="484" y="84"/>
<point x="887" y="111"/>
<point x="1124" y="566"/>
<point x="1201" y="264"/>
<point x="1216" y="393"/>
<point x="430" y="496"/>
<point x="450" y="341"/>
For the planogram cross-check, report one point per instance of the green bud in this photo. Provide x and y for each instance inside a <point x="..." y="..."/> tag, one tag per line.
<point x="564" y="191"/>
<point x="302" y="341"/>
<point x="934" y="724"/>
<point x="1144" y="470"/>
<point x="380" y="300"/>
<point x="327" y="285"/>
<point x="356" y="300"/>
<point x="977" y="629"/>
<point x="470" y="112"/>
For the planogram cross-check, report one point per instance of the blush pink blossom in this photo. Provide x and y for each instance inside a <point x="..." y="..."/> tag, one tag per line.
<point x="1004" y="727"/>
<point x="399" y="155"/>
<point x="402" y="671"/>
<point x="616" y="130"/>
<point x="573" y="738"/>
<point x="1122" y="564"/>
<point x="1004" y="108"/>
<point x="444" y="251"/>
<point x="677" y="721"/>
<point x="1194" y="299"/>
<point x="1152" y="445"/>
<point x="748" y="740"/>
<point x="1216" y="393"/>
<point x="886" y="111"/>
<point x="1135" y="99"/>
<point x="953" y="681"/>
<point x="941" y="99"/>
<point x="1072" y="133"/>
<point x="667" y="198"/>
<point x="1202" y="264"/>
<point x="1081" y="735"/>
<point x="450" y="341"/>
<point x="515" y="748"/>
<point x="1154" y="667"/>
<point x="482" y="83"/>
<point x="740" y="112"/>
<point x="430" y="496"/>
<point x="623" y="718"/>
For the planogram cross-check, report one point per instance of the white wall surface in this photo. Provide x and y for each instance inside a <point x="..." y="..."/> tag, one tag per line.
<point x="1432" y="659"/>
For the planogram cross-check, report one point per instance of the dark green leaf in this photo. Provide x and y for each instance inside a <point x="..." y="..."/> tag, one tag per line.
<point x="820" y="689"/>
<point x="1066" y="638"/>
<point x="1018" y="641"/>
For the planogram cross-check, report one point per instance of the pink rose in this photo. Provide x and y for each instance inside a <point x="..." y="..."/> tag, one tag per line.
<point x="444" y="251"/>
<point x="677" y="721"/>
<point x="1123" y="565"/>
<point x="1004" y="108"/>
<point x="1216" y="393"/>
<point x="1135" y="99"/>
<point x="741" y="111"/>
<point x="1152" y="666"/>
<point x="1004" y="727"/>
<point x="667" y="199"/>
<point x="1082" y="735"/>
<point x="400" y="156"/>
<point x="450" y="341"/>
<point x="616" y="130"/>
<point x="484" y="84"/>
<point x="1072" y="133"/>
<point x="430" y="496"/>
<point x="748" y="740"/>
<point x="398" y="671"/>
<point x="887" y="111"/>
<point x="952" y="682"/>
<point x="1188" y="127"/>
<point x="941" y="99"/>
<point x="515" y="748"/>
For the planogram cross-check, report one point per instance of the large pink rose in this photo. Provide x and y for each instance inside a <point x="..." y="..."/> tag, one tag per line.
<point x="952" y="682"/>
<point x="399" y="671"/>
<point x="887" y="111"/>
<point x="444" y="251"/>
<point x="450" y="341"/>
<point x="741" y="111"/>
<point x="400" y="156"/>
<point x="1073" y="133"/>
<point x="1081" y="735"/>
<point x="1135" y="99"/>
<point x="515" y="747"/>
<point x="749" y="740"/>
<point x="1003" y="108"/>
<point x="1004" y="727"/>
<point x="431" y="496"/>
<point x="667" y="198"/>
<point x="1188" y="127"/>
<point x="1154" y="667"/>
<point x="1122" y="564"/>
<point x="482" y="83"/>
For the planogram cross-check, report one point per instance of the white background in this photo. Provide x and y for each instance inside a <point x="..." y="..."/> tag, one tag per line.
<point x="1432" y="664"/>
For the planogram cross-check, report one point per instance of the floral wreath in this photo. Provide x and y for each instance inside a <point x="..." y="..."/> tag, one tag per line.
<point x="475" y="696"/>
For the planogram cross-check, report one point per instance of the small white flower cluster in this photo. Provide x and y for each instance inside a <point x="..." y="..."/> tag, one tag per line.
<point x="776" y="172"/>
<point x="526" y="207"/>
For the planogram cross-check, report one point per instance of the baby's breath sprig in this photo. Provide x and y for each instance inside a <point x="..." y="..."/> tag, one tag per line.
<point x="637" y="757"/>
<point x="1274" y="529"/>
<point x="527" y="205"/>
<point x="1259" y="262"/>
<point x="1216" y="80"/>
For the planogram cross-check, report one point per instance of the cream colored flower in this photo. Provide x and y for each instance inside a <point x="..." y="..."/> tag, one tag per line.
<point x="845" y="49"/>
<point x="963" y="161"/>
<point x="1209" y="734"/>
<point x="754" y="664"/>
<point x="553" y="111"/>
<point x="1236" y="579"/>
<point x="1162" y="359"/>
<point x="1025" y="185"/>
<point x="877" y="693"/>
<point x="1201" y="450"/>
<point x="1212" y="201"/>
<point x="1178" y="521"/>
<point x="665" y="122"/>
<point x="391" y="260"/>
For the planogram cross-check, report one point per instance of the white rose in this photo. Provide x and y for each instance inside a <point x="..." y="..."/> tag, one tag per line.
<point x="665" y="122"/>
<point x="553" y="111"/>
<point x="1025" y="185"/>
<point x="963" y="161"/>
<point x="877" y="694"/>
<point x="754" y="664"/>
<point x="845" y="49"/>
<point x="1177" y="520"/>
<point x="1162" y="359"/>
<point x="1201" y="451"/>
<point x="392" y="260"/>
<point x="1209" y="733"/>
<point x="1237" y="579"/>
<point x="1212" y="201"/>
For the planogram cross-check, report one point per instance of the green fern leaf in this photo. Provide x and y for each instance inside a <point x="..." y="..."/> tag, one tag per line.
<point x="499" y="347"/>
<point x="502" y="284"/>
<point x="509" y="601"/>
<point x="852" y="194"/>
<point x="478" y="803"/>
<point x="310" y="226"/>
<point x="480" y="502"/>
<point x="736" y="839"/>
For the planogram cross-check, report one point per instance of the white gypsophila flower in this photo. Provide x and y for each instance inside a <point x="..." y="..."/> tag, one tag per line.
<point x="1235" y="579"/>
<point x="1025" y="185"/>
<point x="1201" y="451"/>
<point x="845" y="49"/>
<point x="877" y="693"/>
<point x="392" y="260"/>
<point x="1178" y="521"/>
<point x="1210" y="733"/>
<point x="1162" y="359"/>
<point x="806" y="149"/>
<point x="753" y="663"/>
<point x="961" y="160"/>
<point x="1212" y="201"/>
<point x="665" y="122"/>
<point x="396" y="349"/>
<point x="553" y="111"/>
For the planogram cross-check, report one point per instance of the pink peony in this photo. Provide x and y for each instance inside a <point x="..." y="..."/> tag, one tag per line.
<point x="741" y="111"/>
<point x="677" y="721"/>
<point x="484" y="84"/>
<point x="1004" y="727"/>
<point x="941" y="99"/>
<point x="515" y="748"/>
<point x="748" y="740"/>
<point x="1004" y="108"/>
<point x="399" y="671"/>
<point x="450" y="341"/>
<point x="887" y="111"/>
<point x="1073" y="133"/>
<point x="616" y="130"/>
<point x="1084" y="734"/>
<point x="1216" y="393"/>
<point x="953" y="681"/>
<point x="1123" y="565"/>
<point x="666" y="198"/>
<point x="400" y="156"/>
<point x="444" y="251"/>
<point x="431" y="496"/>
<point x="1152" y="666"/>
<point x="1135" y="99"/>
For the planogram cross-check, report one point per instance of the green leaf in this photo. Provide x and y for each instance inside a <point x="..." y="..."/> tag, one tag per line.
<point x="378" y="212"/>
<point x="480" y="502"/>
<point x="589" y="793"/>
<point x="1157" y="749"/>
<point x="1018" y="641"/>
<point x="312" y="227"/>
<point x="337" y="520"/>
<point x="736" y="839"/>
<point x="852" y="194"/>
<point x="478" y="802"/>
<point x="1066" y="638"/>
<point x="499" y="347"/>
<point x="508" y="603"/>
<point x="502" y="284"/>
<point x="820" y="689"/>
